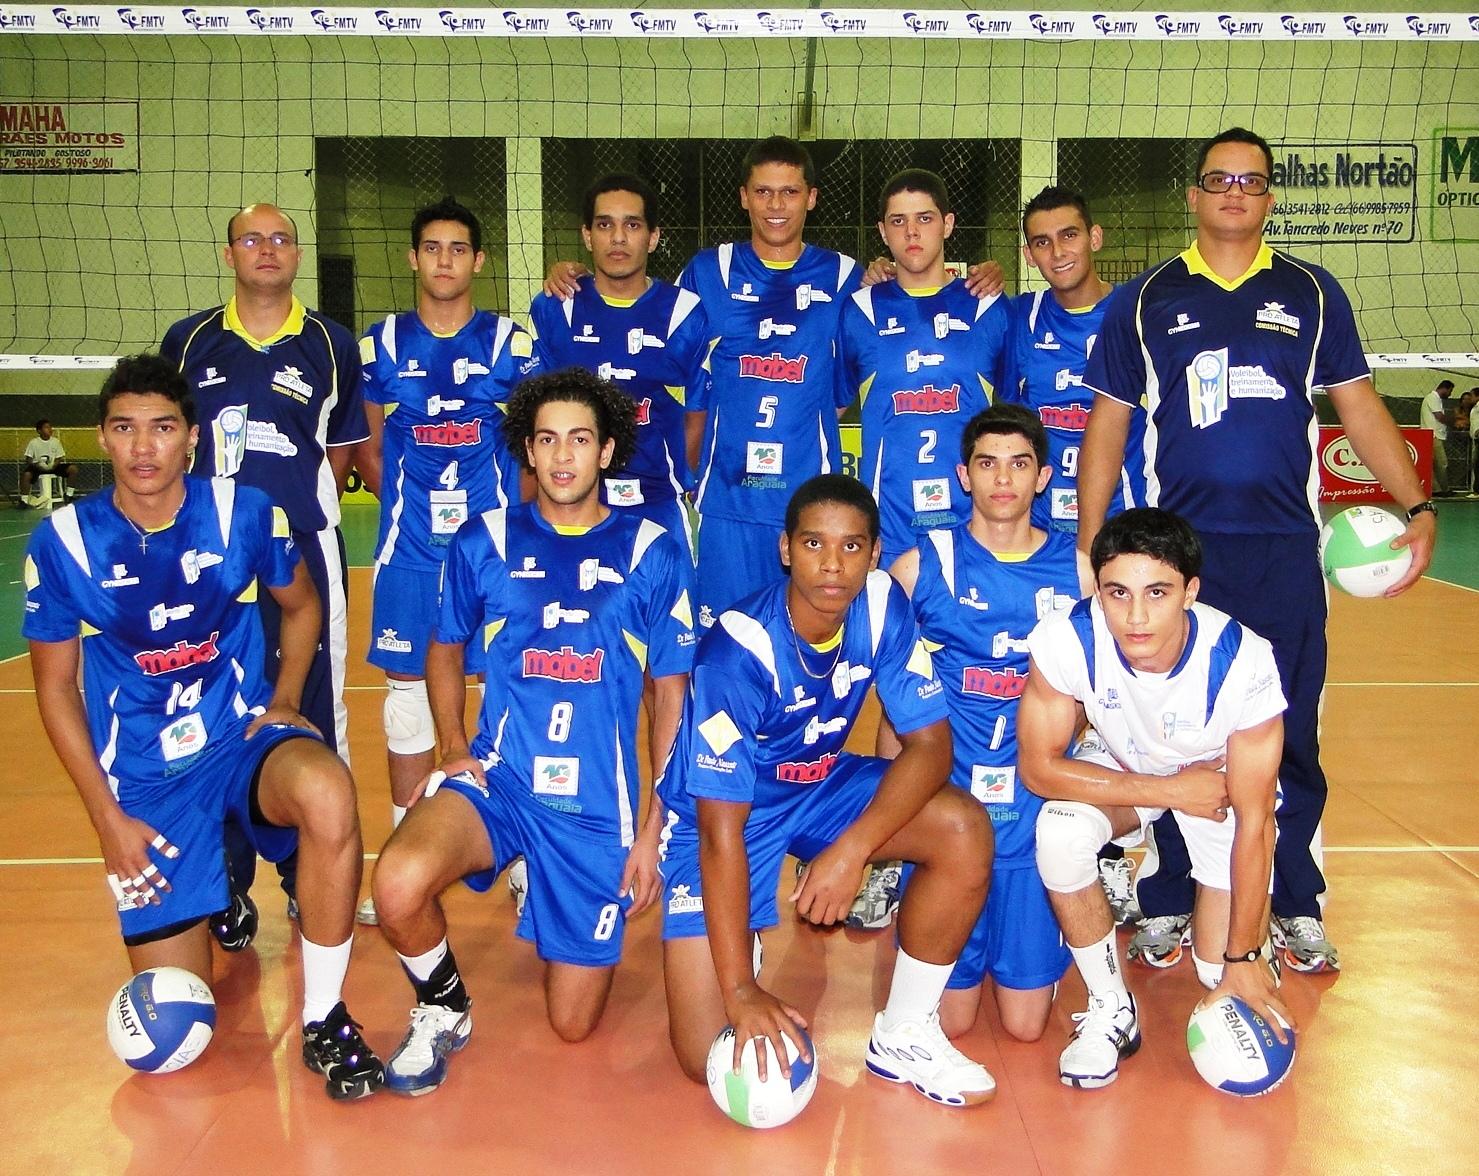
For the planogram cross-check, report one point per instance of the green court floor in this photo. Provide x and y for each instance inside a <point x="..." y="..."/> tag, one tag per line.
<point x="1457" y="561"/>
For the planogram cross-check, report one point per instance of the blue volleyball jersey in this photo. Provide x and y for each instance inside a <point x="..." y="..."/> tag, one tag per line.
<point x="445" y="458"/>
<point x="764" y="720"/>
<point x="270" y="409"/>
<point x="656" y="350"/>
<point x="569" y="623"/>
<point x="1050" y="349"/>
<point x="922" y="366"/>
<point x="773" y="393"/>
<point x="975" y="612"/>
<point x="1228" y="372"/>
<point x="172" y="644"/>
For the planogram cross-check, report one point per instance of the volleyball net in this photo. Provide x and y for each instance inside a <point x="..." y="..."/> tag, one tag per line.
<point x="128" y="135"/>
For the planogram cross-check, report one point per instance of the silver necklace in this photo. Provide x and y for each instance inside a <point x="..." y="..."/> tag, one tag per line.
<point x="139" y="531"/>
<point x="801" y="655"/>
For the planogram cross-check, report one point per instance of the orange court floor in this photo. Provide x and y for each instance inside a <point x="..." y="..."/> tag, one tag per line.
<point x="1383" y="1083"/>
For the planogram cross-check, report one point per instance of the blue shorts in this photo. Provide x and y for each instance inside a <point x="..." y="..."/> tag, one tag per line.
<point x="1016" y="941"/>
<point x="575" y="912"/>
<point x="406" y="602"/>
<point x="669" y="513"/>
<point x="190" y="810"/>
<point x="735" y="559"/>
<point x="821" y="814"/>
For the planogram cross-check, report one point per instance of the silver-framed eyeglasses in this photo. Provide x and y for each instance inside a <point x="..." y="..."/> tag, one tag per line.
<point x="254" y="240"/>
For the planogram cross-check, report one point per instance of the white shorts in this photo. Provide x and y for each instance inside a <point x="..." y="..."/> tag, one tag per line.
<point x="1208" y="843"/>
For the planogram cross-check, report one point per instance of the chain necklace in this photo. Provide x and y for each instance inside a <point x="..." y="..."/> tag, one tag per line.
<point x="801" y="655"/>
<point x="139" y="531"/>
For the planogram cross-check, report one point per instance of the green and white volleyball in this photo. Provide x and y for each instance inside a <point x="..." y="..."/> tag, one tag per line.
<point x="1356" y="554"/>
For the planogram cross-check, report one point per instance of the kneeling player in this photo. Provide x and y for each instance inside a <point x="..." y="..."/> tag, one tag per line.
<point x="179" y="731"/>
<point x="759" y="771"/>
<point x="978" y="589"/>
<point x="572" y="601"/>
<point x="1187" y="704"/>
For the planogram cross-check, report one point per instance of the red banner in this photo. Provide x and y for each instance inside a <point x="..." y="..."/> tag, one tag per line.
<point x="1344" y="479"/>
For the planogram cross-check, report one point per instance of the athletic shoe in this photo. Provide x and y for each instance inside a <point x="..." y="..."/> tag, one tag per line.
<point x="365" y="914"/>
<point x="419" y="1064"/>
<point x="1158" y="941"/>
<point x="919" y="1053"/>
<point x="1106" y="1033"/>
<point x="878" y="901"/>
<point x="518" y="884"/>
<point x="1118" y="879"/>
<point x="334" y="1048"/>
<point x="1301" y="941"/>
<point x="236" y="926"/>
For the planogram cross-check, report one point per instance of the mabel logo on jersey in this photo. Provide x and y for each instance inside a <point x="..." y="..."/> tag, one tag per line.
<point x="775" y="367"/>
<point x="181" y="654"/>
<point x="928" y="399"/>
<point x="1072" y="419"/>
<point x="564" y="664"/>
<point x="449" y="434"/>
<point x="804" y="771"/>
<point x="985" y="681"/>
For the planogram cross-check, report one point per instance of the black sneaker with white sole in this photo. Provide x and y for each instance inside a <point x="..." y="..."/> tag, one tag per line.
<point x="334" y="1048"/>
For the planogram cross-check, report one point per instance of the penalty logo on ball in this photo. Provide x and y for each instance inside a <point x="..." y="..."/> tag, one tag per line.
<point x="161" y="1020"/>
<point x="1235" y="1050"/>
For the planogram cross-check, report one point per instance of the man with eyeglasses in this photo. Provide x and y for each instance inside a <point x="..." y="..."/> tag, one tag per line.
<point x="1219" y="351"/>
<point x="277" y="389"/>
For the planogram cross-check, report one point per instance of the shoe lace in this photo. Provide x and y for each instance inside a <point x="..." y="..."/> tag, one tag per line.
<point x="940" y="1046"/>
<point x="342" y="1040"/>
<point x="1159" y="925"/>
<point x="1117" y="880"/>
<point x="1102" y="1016"/>
<point x="1304" y="927"/>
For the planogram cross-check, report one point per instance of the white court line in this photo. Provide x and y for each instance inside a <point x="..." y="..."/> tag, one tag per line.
<point x="1450" y="583"/>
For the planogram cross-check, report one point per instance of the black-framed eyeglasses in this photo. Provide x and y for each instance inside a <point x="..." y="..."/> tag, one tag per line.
<point x="254" y="240"/>
<point x="1217" y="182"/>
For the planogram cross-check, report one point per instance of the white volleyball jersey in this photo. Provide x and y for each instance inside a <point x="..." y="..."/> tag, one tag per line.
<point x="1157" y="724"/>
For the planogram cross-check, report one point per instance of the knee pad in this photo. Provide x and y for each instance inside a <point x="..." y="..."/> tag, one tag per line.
<point x="409" y="729"/>
<point x="1209" y="974"/>
<point x="1069" y="835"/>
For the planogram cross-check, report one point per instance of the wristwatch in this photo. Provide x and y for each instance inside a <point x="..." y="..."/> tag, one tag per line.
<point x="1247" y="957"/>
<point x="1424" y="507"/>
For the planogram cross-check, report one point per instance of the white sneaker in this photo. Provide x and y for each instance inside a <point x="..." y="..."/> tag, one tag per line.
<point x="518" y="884"/>
<point x="419" y="1064"/>
<point x="365" y="915"/>
<point x="919" y="1053"/>
<point x="1106" y="1033"/>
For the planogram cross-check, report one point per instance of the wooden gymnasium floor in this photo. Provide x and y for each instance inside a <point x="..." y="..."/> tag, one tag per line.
<point x="1384" y="1080"/>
